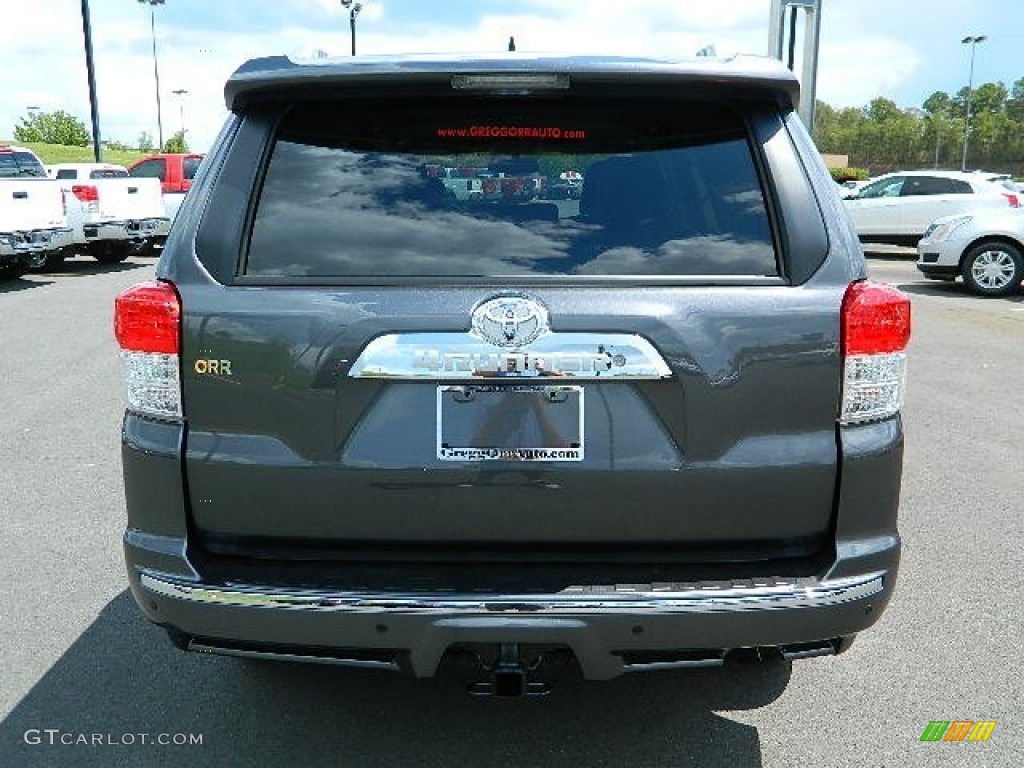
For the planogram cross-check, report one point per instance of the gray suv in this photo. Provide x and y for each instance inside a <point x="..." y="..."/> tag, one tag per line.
<point x="394" y="395"/>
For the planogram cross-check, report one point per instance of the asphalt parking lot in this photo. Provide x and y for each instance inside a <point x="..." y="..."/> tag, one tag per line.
<point x="79" y="660"/>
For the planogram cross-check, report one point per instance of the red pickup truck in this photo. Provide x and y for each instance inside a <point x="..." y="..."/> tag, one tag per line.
<point x="175" y="172"/>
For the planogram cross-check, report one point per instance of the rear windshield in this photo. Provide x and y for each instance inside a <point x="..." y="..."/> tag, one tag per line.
<point x="190" y="165"/>
<point x="108" y="173"/>
<point x="511" y="188"/>
<point x="20" y="164"/>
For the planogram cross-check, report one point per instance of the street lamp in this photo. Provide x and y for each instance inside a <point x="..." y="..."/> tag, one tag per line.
<point x="90" y="73"/>
<point x="156" y="70"/>
<point x="971" y="40"/>
<point x="353" y="11"/>
<point x="181" y="93"/>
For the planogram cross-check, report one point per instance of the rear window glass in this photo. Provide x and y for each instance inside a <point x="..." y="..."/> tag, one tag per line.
<point x="108" y="173"/>
<point x="934" y="185"/>
<point x="509" y="188"/>
<point x="190" y="165"/>
<point x="20" y="164"/>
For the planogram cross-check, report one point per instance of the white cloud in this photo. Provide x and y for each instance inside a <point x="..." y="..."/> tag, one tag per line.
<point x="866" y="49"/>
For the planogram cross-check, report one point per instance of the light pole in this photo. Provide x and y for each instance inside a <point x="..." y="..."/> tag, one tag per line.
<point x="353" y="11"/>
<point x="971" y="40"/>
<point x="181" y="93"/>
<point x="90" y="72"/>
<point x="156" y="69"/>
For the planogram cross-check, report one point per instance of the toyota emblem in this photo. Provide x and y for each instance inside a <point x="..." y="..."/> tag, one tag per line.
<point x="510" y="321"/>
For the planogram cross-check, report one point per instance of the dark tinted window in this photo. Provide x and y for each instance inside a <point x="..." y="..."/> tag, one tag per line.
<point x="20" y="164"/>
<point x="889" y="187"/>
<point x="511" y="189"/>
<point x="934" y="185"/>
<point x="108" y="173"/>
<point x="151" y="169"/>
<point x="190" y="165"/>
<point x="67" y="173"/>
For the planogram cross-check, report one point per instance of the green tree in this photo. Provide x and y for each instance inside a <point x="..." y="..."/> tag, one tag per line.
<point x="145" y="141"/>
<point x="176" y="143"/>
<point x="1015" y="104"/>
<point x="53" y="128"/>
<point x="986" y="98"/>
<point x="939" y="103"/>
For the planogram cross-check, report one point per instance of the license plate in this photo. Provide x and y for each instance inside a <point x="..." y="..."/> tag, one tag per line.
<point x="510" y="423"/>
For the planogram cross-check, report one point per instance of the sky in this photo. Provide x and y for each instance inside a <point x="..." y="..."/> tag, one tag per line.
<point x="900" y="49"/>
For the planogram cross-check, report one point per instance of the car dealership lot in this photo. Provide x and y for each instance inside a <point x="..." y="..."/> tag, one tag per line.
<point x="79" y="658"/>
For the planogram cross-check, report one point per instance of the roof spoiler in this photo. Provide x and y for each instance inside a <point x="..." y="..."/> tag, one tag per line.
<point x="265" y="76"/>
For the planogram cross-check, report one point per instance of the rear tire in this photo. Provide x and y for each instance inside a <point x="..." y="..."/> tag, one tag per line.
<point x="13" y="271"/>
<point x="55" y="260"/>
<point x="993" y="268"/>
<point x="112" y="253"/>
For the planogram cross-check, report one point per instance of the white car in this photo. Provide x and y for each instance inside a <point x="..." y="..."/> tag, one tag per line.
<point x="985" y="248"/>
<point x="33" y="222"/>
<point x="897" y="208"/>
<point x="112" y="214"/>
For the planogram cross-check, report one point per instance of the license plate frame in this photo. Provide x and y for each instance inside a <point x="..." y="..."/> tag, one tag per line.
<point x="513" y="423"/>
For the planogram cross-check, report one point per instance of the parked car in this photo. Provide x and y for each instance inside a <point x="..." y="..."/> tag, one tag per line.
<point x="33" y="221"/>
<point x="986" y="249"/>
<point x="112" y="214"/>
<point x="175" y="172"/>
<point x="638" y="431"/>
<point x="896" y="208"/>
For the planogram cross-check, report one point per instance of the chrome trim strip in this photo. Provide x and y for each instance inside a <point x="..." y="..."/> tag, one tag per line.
<point x="465" y="356"/>
<point x="709" y="598"/>
<point x="339" y="661"/>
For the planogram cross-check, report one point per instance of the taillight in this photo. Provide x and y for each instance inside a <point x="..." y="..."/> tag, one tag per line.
<point x="86" y="193"/>
<point x="875" y="334"/>
<point x="1012" y="199"/>
<point x="147" y="325"/>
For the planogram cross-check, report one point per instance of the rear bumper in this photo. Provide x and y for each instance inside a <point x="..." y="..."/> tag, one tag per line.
<point x="938" y="271"/>
<point x="132" y="229"/>
<point x="610" y="629"/>
<point x="18" y="244"/>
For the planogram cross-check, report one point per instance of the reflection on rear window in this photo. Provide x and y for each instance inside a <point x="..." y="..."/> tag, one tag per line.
<point x="20" y="164"/>
<point x="108" y="173"/>
<point x="576" y="190"/>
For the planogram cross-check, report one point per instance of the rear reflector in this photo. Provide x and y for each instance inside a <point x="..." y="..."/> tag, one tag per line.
<point x="875" y="333"/>
<point x="147" y="325"/>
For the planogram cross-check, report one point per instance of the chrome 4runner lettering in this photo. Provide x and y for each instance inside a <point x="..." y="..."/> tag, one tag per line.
<point x="514" y="362"/>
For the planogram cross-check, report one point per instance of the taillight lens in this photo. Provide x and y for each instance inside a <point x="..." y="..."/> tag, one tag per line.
<point x="147" y="325"/>
<point x="86" y="193"/>
<point x="1012" y="199"/>
<point x="875" y="334"/>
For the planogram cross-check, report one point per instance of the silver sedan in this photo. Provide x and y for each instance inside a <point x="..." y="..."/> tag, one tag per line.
<point x="985" y="248"/>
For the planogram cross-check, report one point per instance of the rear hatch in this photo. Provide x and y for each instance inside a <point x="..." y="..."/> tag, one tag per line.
<point x="128" y="199"/>
<point x="382" y="366"/>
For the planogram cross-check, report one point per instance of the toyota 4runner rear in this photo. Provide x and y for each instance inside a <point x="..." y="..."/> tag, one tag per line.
<point x="371" y="421"/>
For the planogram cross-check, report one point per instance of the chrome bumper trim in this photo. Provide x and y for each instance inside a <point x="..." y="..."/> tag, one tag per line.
<point x="558" y="355"/>
<point x="706" y="598"/>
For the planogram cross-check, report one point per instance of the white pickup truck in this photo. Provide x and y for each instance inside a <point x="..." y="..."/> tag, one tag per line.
<point x="112" y="214"/>
<point x="33" y="224"/>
